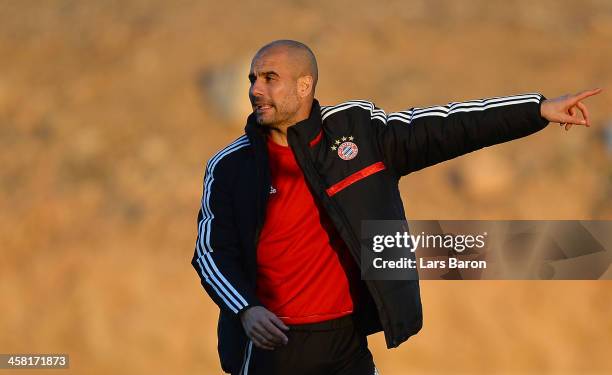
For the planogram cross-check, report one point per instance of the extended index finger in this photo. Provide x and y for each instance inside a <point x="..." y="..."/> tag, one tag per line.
<point x="585" y="94"/>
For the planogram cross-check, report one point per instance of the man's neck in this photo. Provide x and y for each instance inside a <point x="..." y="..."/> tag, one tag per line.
<point x="278" y="134"/>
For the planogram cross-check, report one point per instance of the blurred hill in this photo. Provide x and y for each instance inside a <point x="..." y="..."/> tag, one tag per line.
<point x="110" y="109"/>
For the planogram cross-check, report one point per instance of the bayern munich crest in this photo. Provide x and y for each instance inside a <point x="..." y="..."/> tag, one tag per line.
<point x="347" y="150"/>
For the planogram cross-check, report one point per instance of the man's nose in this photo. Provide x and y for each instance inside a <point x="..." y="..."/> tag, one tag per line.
<point x="256" y="89"/>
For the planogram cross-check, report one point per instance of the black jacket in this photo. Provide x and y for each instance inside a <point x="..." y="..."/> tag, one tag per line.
<point x="352" y="155"/>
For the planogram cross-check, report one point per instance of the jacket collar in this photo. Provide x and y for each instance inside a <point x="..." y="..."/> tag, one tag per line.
<point x="307" y="129"/>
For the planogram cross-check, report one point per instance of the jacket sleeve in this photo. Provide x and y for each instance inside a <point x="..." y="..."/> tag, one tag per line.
<point x="218" y="258"/>
<point x="421" y="137"/>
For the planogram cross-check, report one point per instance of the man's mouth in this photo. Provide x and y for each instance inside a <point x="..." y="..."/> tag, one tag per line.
<point x="262" y="107"/>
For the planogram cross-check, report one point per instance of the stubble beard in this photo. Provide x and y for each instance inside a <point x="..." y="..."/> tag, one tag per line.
<point x="282" y="117"/>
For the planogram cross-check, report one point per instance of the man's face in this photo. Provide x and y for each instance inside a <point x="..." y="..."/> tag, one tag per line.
<point x="273" y="91"/>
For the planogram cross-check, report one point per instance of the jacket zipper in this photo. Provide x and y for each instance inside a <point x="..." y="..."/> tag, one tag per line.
<point x="331" y="208"/>
<point x="263" y="185"/>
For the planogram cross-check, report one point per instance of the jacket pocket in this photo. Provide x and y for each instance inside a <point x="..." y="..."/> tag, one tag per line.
<point x="357" y="176"/>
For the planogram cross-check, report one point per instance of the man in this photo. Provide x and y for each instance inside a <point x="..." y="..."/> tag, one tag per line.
<point x="278" y="244"/>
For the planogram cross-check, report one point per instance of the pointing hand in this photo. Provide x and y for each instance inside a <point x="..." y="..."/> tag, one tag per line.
<point x="564" y="109"/>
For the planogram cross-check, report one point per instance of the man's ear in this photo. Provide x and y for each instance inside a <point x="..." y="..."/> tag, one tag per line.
<point x="304" y="86"/>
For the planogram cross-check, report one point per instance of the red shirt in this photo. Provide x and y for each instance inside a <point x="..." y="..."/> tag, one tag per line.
<point x="304" y="269"/>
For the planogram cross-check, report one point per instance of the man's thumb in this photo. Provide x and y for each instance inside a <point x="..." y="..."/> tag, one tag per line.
<point x="572" y="120"/>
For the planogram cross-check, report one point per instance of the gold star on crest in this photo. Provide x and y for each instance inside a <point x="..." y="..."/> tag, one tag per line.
<point x="343" y="139"/>
<point x="337" y="141"/>
<point x="334" y="148"/>
<point x="351" y="138"/>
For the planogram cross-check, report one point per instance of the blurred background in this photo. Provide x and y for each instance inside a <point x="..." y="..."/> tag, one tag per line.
<point x="109" y="111"/>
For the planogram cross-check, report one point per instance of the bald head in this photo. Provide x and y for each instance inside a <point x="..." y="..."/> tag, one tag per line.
<point x="283" y="77"/>
<point x="299" y="58"/>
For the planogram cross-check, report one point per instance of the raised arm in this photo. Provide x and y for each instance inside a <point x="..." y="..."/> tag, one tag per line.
<point x="420" y="137"/>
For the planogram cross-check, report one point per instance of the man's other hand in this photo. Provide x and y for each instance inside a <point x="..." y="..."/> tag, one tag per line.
<point x="264" y="328"/>
<point x="564" y="109"/>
